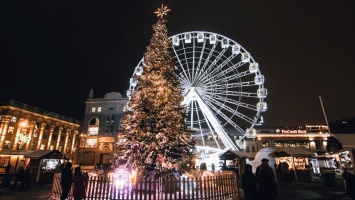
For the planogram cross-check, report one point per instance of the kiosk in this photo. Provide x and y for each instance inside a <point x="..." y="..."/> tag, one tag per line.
<point x="233" y="160"/>
<point x="297" y="159"/>
<point x="44" y="163"/>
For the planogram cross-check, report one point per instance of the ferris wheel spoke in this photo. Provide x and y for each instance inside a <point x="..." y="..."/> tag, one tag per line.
<point x="200" y="61"/>
<point x="228" y="70"/>
<point x="212" y="65"/>
<point x="217" y="100"/>
<point x="218" y="70"/>
<point x="187" y="63"/>
<point x="230" y="110"/>
<point x="181" y="66"/>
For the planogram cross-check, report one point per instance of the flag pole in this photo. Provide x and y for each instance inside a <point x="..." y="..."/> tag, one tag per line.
<point x="325" y="115"/>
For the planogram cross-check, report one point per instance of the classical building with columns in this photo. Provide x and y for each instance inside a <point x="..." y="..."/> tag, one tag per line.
<point x="100" y="128"/>
<point x="26" y="128"/>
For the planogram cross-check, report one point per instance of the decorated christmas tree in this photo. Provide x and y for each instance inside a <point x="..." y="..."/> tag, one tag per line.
<point x="157" y="140"/>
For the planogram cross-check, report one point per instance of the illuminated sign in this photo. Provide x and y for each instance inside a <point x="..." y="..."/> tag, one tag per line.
<point x="22" y="138"/>
<point x="291" y="131"/>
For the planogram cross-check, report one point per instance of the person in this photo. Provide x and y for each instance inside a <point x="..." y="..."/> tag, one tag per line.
<point x="267" y="186"/>
<point x="264" y="160"/>
<point x="281" y="178"/>
<point x="66" y="181"/>
<point x="79" y="185"/>
<point x="249" y="183"/>
<point x="349" y="179"/>
<point x="26" y="178"/>
<point x="19" y="176"/>
<point x="7" y="169"/>
<point x="285" y="172"/>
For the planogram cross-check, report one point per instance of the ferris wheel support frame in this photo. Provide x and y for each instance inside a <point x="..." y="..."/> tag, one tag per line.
<point x="193" y="95"/>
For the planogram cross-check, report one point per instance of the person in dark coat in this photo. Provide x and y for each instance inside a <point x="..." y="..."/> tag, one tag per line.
<point x="19" y="176"/>
<point x="349" y="179"/>
<point x="66" y="181"/>
<point x="267" y="186"/>
<point x="26" y="178"/>
<point x="79" y="185"/>
<point x="249" y="184"/>
<point x="7" y="169"/>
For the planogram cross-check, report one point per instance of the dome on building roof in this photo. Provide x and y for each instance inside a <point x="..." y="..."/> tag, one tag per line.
<point x="113" y="96"/>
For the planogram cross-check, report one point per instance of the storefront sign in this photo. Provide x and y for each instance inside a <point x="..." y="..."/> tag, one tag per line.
<point x="291" y="131"/>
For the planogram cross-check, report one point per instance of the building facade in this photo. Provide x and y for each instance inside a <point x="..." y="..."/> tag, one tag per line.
<point x="100" y="128"/>
<point x="25" y="129"/>
<point x="311" y="137"/>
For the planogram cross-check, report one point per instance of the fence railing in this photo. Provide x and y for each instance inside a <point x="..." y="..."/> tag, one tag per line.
<point x="220" y="186"/>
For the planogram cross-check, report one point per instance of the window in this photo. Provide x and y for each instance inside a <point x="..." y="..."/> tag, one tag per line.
<point x="13" y="119"/>
<point x="93" y="130"/>
<point x="35" y="133"/>
<point x="99" y="109"/>
<point x="41" y="147"/>
<point x="94" y="121"/>
<point x="54" y="136"/>
<point x="7" y="144"/>
<point x="248" y="149"/>
<point x="93" y="109"/>
<point x="45" y="136"/>
<point x="51" y="147"/>
<point x="60" y="148"/>
<point x="11" y="129"/>
<point x="253" y="149"/>
<point x="90" y="143"/>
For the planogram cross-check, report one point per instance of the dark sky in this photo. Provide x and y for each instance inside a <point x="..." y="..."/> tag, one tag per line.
<point x="53" y="52"/>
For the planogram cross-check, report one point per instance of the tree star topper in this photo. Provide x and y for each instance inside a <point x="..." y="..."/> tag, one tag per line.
<point x="162" y="11"/>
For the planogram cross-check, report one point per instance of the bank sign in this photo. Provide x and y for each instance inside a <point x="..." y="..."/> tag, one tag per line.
<point x="290" y="131"/>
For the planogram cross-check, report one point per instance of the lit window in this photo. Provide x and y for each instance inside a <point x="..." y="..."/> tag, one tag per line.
<point x="99" y="109"/>
<point x="60" y="148"/>
<point x="13" y="119"/>
<point x="7" y="144"/>
<point x="90" y="143"/>
<point x="93" y="109"/>
<point x="42" y="147"/>
<point x="11" y="129"/>
<point x="93" y="130"/>
<point x="51" y="147"/>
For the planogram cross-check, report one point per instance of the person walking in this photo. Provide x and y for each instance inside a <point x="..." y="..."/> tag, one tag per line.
<point x="267" y="186"/>
<point x="19" y="176"/>
<point x="249" y="183"/>
<point x="79" y="185"/>
<point x="285" y="172"/>
<point x="66" y="181"/>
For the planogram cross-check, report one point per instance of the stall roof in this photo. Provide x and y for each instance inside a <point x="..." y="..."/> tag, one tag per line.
<point x="232" y="154"/>
<point x="46" y="154"/>
<point x="291" y="151"/>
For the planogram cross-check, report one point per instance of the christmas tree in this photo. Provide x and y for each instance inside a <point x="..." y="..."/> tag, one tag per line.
<point x="157" y="139"/>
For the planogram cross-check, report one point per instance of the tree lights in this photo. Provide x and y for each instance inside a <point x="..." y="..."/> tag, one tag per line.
<point x="157" y="138"/>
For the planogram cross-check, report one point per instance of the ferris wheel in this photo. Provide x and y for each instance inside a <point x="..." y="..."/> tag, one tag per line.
<point x="222" y="85"/>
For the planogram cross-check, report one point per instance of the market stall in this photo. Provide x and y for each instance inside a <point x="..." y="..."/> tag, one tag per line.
<point x="297" y="160"/>
<point x="233" y="160"/>
<point x="44" y="163"/>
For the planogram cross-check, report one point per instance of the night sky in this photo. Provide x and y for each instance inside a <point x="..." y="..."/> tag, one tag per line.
<point x="53" y="52"/>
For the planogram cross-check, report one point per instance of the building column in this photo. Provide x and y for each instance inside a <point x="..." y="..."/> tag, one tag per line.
<point x="50" y="137"/>
<point x="43" y="125"/>
<point x="32" y="126"/>
<point x="59" y="135"/>
<point x="66" y="141"/>
<point x="4" y="126"/>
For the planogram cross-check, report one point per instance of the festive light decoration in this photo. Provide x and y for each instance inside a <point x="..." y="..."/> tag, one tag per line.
<point x="158" y="141"/>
